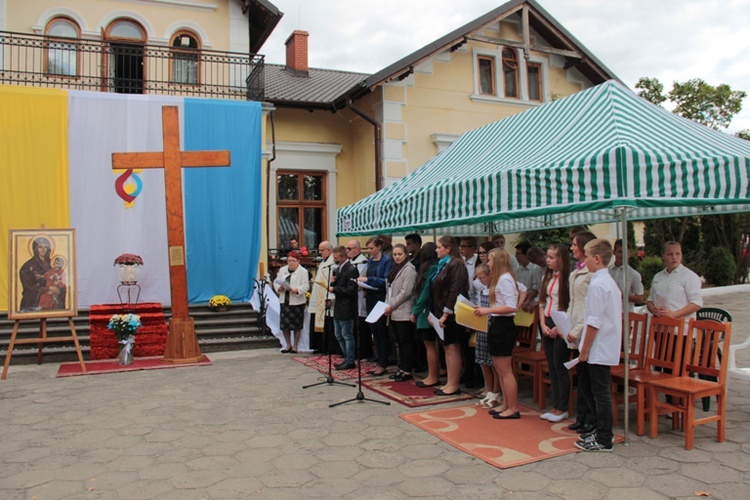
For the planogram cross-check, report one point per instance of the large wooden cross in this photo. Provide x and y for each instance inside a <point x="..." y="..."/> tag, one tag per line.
<point x="182" y="342"/>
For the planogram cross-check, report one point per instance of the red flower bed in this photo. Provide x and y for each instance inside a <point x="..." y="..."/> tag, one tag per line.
<point x="149" y="341"/>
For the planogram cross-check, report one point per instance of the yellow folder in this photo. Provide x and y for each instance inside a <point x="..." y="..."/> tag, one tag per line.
<point x="465" y="316"/>
<point x="523" y="318"/>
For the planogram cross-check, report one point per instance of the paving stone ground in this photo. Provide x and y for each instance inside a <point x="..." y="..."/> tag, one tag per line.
<point x="245" y="428"/>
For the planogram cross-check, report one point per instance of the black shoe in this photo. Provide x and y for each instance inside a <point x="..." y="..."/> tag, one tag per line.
<point x="585" y="429"/>
<point x="422" y="384"/>
<point x="575" y="426"/>
<point x="512" y="416"/>
<point x="345" y="366"/>
<point x="402" y="377"/>
<point x="440" y="392"/>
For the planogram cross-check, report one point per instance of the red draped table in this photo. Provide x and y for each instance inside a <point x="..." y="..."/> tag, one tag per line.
<point x="149" y="341"/>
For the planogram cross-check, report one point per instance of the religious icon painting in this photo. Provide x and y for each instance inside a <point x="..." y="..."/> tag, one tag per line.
<point x="42" y="273"/>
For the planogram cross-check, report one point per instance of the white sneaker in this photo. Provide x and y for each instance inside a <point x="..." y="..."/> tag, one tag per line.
<point x="558" y="418"/>
<point x="546" y="416"/>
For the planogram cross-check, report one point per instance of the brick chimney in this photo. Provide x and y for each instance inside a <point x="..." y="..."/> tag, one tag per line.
<point x="296" y="53"/>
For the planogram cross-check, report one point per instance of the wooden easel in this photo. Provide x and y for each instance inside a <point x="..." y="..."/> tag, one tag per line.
<point x="43" y="339"/>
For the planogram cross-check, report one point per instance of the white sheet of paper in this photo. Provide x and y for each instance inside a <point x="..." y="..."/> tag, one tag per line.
<point x="466" y="301"/>
<point x="377" y="312"/>
<point x="435" y="322"/>
<point x="570" y="364"/>
<point x="282" y="283"/>
<point x="562" y="322"/>
<point x="365" y="286"/>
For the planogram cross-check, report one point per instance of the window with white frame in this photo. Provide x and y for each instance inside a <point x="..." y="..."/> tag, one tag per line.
<point x="502" y="75"/>
<point x="62" y="55"/>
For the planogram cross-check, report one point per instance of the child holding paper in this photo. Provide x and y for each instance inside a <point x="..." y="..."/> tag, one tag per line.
<point x="554" y="296"/>
<point x="600" y="344"/>
<point x="502" y="334"/>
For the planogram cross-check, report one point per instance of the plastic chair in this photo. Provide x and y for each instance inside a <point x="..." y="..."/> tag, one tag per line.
<point x="720" y="316"/>
<point x="733" y="371"/>
<point x="685" y="390"/>
<point x="663" y="360"/>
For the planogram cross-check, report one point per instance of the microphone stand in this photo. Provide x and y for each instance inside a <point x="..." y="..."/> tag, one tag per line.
<point x="329" y="380"/>
<point x="360" y="395"/>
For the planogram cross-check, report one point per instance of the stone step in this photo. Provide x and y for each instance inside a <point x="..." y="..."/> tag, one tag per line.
<point x="234" y="329"/>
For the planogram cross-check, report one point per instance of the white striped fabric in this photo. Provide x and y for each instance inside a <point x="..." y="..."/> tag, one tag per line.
<point x="569" y="162"/>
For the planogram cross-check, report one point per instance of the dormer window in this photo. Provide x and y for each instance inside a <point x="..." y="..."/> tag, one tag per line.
<point x="486" y="75"/>
<point x="510" y="72"/>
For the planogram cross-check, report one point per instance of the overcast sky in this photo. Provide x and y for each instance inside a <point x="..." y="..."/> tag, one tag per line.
<point x="667" y="39"/>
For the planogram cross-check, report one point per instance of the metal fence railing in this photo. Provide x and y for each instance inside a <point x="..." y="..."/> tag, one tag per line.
<point x="130" y="68"/>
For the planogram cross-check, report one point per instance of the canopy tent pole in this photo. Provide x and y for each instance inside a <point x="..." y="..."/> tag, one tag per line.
<point x="625" y="315"/>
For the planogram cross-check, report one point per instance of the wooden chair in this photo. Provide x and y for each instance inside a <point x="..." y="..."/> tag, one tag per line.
<point x="663" y="360"/>
<point x="637" y="325"/>
<point x="700" y="358"/>
<point x="526" y="356"/>
<point x="720" y="316"/>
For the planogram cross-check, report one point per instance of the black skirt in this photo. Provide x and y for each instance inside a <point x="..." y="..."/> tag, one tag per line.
<point x="292" y="317"/>
<point x="501" y="337"/>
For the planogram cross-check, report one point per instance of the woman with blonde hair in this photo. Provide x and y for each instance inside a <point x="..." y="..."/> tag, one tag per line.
<point x="502" y="334"/>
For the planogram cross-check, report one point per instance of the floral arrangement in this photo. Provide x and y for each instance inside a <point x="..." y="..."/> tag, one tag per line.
<point x="124" y="325"/>
<point x="219" y="301"/>
<point x="308" y="295"/>
<point x="128" y="259"/>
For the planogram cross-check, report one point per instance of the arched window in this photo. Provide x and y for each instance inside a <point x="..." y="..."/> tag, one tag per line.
<point x="185" y="51"/>
<point x="125" y="61"/>
<point x="510" y="72"/>
<point x="62" y="55"/>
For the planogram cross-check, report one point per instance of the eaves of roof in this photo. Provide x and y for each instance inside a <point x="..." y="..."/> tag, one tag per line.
<point x="316" y="90"/>
<point x="589" y="64"/>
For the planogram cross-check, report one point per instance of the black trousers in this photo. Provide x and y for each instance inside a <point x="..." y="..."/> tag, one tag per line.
<point x="595" y="385"/>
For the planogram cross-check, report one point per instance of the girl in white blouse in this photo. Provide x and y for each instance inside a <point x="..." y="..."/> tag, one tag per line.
<point x="555" y="296"/>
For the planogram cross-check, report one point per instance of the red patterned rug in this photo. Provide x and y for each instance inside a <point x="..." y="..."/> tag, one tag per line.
<point x="408" y="394"/>
<point x="319" y="362"/>
<point x="502" y="443"/>
<point x="111" y="366"/>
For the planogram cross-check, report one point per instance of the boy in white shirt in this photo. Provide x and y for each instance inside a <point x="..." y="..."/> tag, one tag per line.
<point x="600" y="344"/>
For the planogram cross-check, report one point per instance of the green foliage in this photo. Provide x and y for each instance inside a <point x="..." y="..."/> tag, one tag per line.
<point x="651" y="89"/>
<point x="720" y="267"/>
<point x="744" y="134"/>
<point x="543" y="239"/>
<point x="648" y="269"/>
<point x="712" y="106"/>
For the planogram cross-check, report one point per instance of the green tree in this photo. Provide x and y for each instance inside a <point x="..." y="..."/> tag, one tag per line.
<point x="712" y="106"/>
<point x="651" y="89"/>
<point x="744" y="134"/>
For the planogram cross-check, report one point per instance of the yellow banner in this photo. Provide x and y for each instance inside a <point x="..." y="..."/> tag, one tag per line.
<point x="33" y="165"/>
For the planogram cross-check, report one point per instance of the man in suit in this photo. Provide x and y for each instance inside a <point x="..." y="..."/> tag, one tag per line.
<point x="344" y="289"/>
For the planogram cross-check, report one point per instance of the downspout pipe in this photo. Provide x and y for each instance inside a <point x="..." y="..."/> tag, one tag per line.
<point x="377" y="132"/>
<point x="268" y="179"/>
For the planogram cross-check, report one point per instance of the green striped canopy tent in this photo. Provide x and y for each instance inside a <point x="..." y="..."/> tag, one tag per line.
<point x="601" y="155"/>
<point x="569" y="162"/>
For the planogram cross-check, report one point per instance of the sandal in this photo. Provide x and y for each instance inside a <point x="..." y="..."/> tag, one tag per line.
<point x="483" y="401"/>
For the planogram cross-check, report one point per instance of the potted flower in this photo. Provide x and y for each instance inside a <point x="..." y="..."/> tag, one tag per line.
<point x="125" y="326"/>
<point x="128" y="268"/>
<point x="219" y="302"/>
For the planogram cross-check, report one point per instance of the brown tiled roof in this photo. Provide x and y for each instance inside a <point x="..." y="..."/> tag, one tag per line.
<point x="316" y="90"/>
